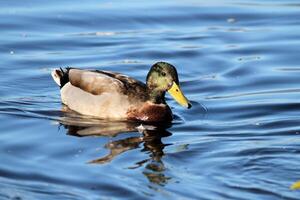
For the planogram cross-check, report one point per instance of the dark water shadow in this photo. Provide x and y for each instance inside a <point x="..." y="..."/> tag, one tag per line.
<point x="150" y="139"/>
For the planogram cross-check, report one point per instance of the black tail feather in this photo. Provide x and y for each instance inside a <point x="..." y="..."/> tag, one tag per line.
<point x="64" y="76"/>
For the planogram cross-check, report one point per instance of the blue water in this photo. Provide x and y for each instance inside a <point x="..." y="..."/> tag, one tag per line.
<point x="238" y="62"/>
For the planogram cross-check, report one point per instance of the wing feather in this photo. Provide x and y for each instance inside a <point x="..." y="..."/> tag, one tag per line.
<point x="94" y="82"/>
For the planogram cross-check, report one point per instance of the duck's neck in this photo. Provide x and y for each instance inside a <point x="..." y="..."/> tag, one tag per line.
<point x="156" y="96"/>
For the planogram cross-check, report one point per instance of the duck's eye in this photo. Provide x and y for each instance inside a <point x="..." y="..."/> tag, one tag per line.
<point x="163" y="74"/>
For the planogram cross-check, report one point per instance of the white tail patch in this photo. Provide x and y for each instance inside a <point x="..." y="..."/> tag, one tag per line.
<point x="56" y="77"/>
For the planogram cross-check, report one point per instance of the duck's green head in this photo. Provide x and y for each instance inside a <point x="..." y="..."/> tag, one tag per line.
<point x="162" y="78"/>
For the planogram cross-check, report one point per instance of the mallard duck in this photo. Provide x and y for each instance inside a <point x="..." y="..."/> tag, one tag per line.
<point x="110" y="95"/>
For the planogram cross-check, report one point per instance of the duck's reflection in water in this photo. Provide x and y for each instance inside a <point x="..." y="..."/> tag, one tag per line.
<point x="150" y="137"/>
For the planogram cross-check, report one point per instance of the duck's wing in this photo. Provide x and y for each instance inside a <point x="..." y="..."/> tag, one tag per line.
<point x="131" y="86"/>
<point x="94" y="82"/>
<point x="97" y="82"/>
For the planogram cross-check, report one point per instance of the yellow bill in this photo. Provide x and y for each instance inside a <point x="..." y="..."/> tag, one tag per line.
<point x="177" y="94"/>
<point x="295" y="186"/>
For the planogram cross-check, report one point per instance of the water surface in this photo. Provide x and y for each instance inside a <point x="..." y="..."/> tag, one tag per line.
<point x="238" y="63"/>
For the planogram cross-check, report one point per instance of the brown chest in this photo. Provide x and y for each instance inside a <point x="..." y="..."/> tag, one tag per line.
<point x="150" y="112"/>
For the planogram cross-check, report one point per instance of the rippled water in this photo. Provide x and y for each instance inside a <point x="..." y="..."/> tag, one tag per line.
<point x="238" y="63"/>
